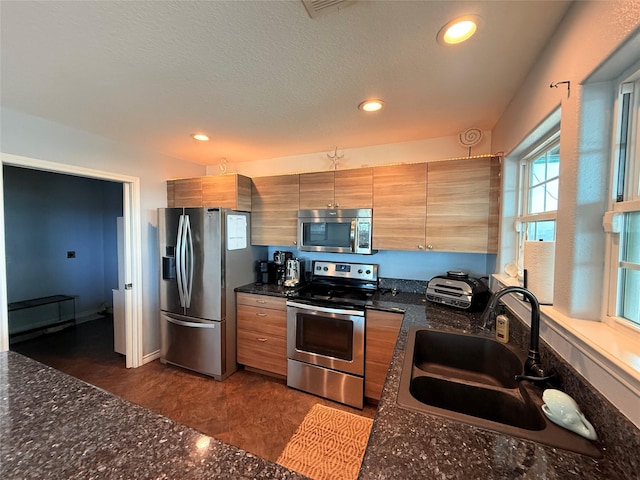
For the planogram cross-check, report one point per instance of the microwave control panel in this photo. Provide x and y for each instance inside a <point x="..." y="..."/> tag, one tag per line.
<point x="364" y="235"/>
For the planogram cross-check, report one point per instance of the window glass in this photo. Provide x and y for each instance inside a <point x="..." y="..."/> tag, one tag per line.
<point x="630" y="269"/>
<point x="630" y="296"/>
<point x="632" y="239"/>
<point x="551" y="200"/>
<point x="536" y="199"/>
<point x="545" y="230"/>
<point x="538" y="171"/>
<point x="543" y="182"/>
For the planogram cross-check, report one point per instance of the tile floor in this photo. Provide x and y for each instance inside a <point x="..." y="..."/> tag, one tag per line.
<point x="251" y="411"/>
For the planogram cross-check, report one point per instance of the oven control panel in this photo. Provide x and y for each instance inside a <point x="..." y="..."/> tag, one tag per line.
<point x="355" y="271"/>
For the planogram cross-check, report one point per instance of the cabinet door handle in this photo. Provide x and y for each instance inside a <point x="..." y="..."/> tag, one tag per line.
<point x="430" y="247"/>
<point x="261" y="314"/>
<point x="420" y="247"/>
<point x="329" y="205"/>
<point x="337" y="205"/>
<point x="261" y="339"/>
<point x="261" y="301"/>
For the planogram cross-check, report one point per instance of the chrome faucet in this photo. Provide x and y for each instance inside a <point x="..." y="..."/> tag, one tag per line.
<point x="533" y="369"/>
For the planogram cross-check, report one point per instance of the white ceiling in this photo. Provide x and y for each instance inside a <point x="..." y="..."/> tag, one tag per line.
<point x="262" y="78"/>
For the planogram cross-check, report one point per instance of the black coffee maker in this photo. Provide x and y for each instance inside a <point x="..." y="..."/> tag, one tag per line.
<point x="265" y="272"/>
<point x="280" y="266"/>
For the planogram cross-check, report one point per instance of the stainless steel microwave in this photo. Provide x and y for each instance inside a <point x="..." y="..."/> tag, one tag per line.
<point x="335" y="231"/>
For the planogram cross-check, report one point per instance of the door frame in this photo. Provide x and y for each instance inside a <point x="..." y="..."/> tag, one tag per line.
<point x="132" y="247"/>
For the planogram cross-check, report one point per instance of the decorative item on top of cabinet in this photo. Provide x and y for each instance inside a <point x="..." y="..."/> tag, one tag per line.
<point x="338" y="189"/>
<point x="274" y="216"/>
<point x="226" y="191"/>
<point x="399" y="207"/>
<point x="463" y="205"/>
<point x="381" y="334"/>
<point x="262" y="333"/>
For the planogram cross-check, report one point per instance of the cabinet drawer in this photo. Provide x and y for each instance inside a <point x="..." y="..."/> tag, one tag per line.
<point x="263" y="301"/>
<point x="262" y="351"/>
<point x="262" y="320"/>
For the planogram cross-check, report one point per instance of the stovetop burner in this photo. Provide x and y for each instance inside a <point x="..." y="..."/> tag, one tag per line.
<point x="342" y="296"/>
<point x="349" y="285"/>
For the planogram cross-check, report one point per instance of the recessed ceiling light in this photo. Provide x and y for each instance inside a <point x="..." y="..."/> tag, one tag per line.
<point x="458" y="30"/>
<point x="200" y="136"/>
<point x="371" y="105"/>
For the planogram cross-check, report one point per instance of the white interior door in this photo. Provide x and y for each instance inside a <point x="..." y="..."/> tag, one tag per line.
<point x="4" y="309"/>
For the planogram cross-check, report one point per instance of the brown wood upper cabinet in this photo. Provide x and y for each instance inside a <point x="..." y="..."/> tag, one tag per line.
<point x="226" y="191"/>
<point x="399" y="207"/>
<point x="274" y="216"/>
<point x="447" y="206"/>
<point x="338" y="189"/>
<point x="463" y="205"/>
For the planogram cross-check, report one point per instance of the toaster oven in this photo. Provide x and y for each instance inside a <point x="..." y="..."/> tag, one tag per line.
<point x="458" y="290"/>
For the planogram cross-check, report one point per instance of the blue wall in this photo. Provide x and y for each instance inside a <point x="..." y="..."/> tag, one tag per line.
<point x="48" y="214"/>
<point x="408" y="265"/>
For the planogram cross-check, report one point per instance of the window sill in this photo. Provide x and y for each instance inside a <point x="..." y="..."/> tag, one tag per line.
<point x="608" y="358"/>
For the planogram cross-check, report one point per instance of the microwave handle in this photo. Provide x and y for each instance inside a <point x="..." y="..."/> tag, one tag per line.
<point x="354" y="235"/>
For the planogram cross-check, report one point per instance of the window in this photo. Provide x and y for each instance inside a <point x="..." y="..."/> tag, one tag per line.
<point x="623" y="219"/>
<point x="630" y="269"/>
<point x="539" y="182"/>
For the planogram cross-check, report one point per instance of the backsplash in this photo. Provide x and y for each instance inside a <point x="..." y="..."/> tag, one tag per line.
<point x="615" y="432"/>
<point x="403" y="286"/>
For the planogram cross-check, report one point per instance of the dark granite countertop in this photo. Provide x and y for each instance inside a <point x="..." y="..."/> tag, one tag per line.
<point x="268" y="289"/>
<point x="55" y="426"/>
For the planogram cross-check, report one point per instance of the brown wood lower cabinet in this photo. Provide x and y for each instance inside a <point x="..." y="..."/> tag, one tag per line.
<point x="382" y="330"/>
<point x="262" y="332"/>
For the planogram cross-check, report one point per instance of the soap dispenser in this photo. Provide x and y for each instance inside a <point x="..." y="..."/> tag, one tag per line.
<point x="502" y="328"/>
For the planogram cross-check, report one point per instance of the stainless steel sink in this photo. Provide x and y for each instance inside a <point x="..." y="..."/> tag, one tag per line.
<point x="471" y="379"/>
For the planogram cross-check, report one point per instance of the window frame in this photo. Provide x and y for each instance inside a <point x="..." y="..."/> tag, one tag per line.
<point x="623" y="203"/>
<point x="546" y="143"/>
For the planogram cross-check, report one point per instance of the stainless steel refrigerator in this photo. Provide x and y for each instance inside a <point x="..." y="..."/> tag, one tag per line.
<point x="205" y="253"/>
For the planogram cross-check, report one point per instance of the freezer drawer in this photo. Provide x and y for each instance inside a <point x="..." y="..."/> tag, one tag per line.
<point x="193" y="344"/>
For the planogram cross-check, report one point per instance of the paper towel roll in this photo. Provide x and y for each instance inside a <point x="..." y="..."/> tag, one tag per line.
<point x="539" y="258"/>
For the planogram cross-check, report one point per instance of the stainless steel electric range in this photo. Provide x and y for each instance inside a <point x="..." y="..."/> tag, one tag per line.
<point x="325" y="331"/>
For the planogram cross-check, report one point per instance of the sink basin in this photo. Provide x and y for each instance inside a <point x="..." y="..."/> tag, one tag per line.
<point x="471" y="379"/>
<point x="494" y="405"/>
<point x="465" y="357"/>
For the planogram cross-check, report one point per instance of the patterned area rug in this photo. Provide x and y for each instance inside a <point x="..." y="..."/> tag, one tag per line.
<point x="328" y="445"/>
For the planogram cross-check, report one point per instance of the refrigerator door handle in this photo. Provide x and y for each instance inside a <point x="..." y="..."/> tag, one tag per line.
<point x="189" y="267"/>
<point x="182" y="323"/>
<point x="180" y="272"/>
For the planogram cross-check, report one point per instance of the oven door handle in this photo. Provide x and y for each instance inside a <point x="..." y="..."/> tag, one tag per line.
<point x="315" y="308"/>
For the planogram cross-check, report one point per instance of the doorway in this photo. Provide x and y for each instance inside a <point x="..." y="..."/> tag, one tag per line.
<point x="131" y="264"/>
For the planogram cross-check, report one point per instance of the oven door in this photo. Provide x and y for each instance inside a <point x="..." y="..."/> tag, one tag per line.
<point x="327" y="337"/>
